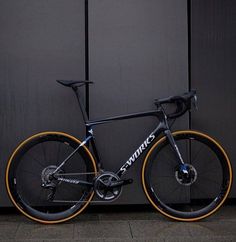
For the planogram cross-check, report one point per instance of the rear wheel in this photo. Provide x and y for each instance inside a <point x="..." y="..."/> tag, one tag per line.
<point x="193" y="191"/>
<point x="41" y="196"/>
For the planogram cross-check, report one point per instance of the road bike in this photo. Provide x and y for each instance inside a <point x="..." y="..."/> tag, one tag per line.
<point x="186" y="175"/>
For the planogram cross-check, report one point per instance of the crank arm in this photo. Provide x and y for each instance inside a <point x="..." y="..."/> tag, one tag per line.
<point x="121" y="183"/>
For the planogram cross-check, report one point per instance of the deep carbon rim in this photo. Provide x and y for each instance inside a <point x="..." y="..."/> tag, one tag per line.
<point x="23" y="207"/>
<point x="167" y="211"/>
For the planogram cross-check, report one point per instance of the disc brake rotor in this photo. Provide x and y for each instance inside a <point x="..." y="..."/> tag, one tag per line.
<point x="186" y="176"/>
<point x="47" y="180"/>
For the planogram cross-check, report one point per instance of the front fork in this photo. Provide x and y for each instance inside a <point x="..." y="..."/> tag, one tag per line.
<point x="183" y="166"/>
<point x="174" y="145"/>
<point x="169" y="136"/>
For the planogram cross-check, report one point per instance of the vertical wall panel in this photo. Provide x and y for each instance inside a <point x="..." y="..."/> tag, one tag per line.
<point x="138" y="52"/>
<point x="40" y="41"/>
<point x="213" y="70"/>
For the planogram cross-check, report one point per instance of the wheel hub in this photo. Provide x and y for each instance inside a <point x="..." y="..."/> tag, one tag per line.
<point x="46" y="176"/>
<point x="186" y="174"/>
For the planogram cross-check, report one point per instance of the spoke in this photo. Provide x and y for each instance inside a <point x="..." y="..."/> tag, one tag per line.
<point x="22" y="188"/>
<point x="165" y="152"/>
<point x="188" y="151"/>
<point x="166" y="177"/>
<point x="60" y="192"/>
<point x="186" y="192"/>
<point x="57" y="192"/>
<point x="37" y="161"/>
<point x="40" y="193"/>
<point x="208" y="179"/>
<point x="174" y="190"/>
<point x="213" y="171"/>
<point x="67" y="187"/>
<point x="68" y="157"/>
<point x="63" y="151"/>
<point x="197" y="153"/>
<point x="171" y="178"/>
<point x="198" y="187"/>
<point x="29" y="172"/>
<point x="72" y="201"/>
<point x="58" y="153"/>
<point x="73" y="188"/>
<point x="170" y="159"/>
<point x="44" y="152"/>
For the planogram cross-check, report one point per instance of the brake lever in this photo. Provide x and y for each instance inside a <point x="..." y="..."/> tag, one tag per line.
<point x="194" y="102"/>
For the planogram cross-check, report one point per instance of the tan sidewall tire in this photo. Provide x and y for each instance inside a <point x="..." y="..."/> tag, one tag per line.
<point x="8" y="168"/>
<point x="145" y="187"/>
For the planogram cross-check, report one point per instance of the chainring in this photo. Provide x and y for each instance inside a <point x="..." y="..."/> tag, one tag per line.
<point x="103" y="189"/>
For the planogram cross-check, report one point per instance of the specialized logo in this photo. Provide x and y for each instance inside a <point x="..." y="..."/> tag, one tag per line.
<point x="73" y="181"/>
<point x="137" y="153"/>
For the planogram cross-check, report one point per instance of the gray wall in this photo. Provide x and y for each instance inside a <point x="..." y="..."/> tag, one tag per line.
<point x="40" y="41"/>
<point x="138" y="52"/>
<point x="213" y="71"/>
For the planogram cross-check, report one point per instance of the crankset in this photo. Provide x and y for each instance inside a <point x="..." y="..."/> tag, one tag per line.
<point x="108" y="186"/>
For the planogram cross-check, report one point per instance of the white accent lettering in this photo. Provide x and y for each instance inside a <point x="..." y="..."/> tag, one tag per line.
<point x="137" y="153"/>
<point x="74" y="181"/>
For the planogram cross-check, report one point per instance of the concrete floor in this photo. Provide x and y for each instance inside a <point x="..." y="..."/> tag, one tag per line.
<point x="121" y="225"/>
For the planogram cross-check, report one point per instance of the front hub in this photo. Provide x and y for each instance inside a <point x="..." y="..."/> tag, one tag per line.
<point x="186" y="174"/>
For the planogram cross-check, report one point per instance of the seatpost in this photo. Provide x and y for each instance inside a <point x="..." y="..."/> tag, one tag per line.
<point x="82" y="108"/>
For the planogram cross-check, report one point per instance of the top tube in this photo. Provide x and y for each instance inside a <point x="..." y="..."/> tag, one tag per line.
<point x="123" y="117"/>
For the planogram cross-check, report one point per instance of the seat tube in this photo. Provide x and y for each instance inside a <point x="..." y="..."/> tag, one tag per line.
<point x="89" y="131"/>
<point x="82" y="108"/>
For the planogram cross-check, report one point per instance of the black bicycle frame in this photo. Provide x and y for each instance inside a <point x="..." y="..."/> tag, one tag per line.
<point x="163" y="127"/>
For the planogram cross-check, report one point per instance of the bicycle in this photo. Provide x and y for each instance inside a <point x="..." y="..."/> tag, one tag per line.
<point x="51" y="177"/>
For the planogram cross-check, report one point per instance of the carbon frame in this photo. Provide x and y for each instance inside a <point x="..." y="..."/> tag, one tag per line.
<point x="161" y="128"/>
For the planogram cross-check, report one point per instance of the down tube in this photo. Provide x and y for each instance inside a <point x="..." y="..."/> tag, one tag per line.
<point x="161" y="127"/>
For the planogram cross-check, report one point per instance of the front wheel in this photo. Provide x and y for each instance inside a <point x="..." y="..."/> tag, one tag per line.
<point x="193" y="191"/>
<point x="44" y="197"/>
